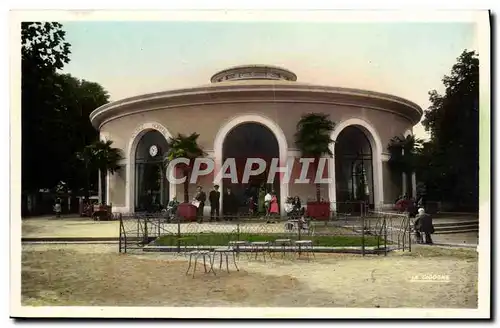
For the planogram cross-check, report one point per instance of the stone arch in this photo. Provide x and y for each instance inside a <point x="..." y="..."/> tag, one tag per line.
<point x="136" y="136"/>
<point x="377" y="148"/>
<point x="252" y="118"/>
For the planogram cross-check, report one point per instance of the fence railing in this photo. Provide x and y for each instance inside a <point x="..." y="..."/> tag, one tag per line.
<point x="393" y="228"/>
<point x="138" y="230"/>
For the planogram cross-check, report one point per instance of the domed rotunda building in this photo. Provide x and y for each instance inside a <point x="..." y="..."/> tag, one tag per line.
<point x="253" y="111"/>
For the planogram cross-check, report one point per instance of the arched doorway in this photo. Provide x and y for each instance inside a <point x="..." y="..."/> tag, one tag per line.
<point x="250" y="140"/>
<point x="151" y="183"/>
<point x="353" y="168"/>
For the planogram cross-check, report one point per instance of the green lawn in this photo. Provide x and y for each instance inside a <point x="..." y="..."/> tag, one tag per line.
<point x="222" y="239"/>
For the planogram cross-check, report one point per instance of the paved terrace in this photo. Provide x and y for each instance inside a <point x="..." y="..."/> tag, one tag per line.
<point x="77" y="227"/>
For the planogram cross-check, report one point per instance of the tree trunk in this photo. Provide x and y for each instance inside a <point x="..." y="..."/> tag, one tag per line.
<point x="186" y="186"/>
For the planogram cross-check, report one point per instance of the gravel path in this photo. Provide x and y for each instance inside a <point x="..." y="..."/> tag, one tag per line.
<point x="98" y="275"/>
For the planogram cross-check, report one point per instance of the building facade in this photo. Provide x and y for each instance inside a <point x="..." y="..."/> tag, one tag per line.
<point x="253" y="111"/>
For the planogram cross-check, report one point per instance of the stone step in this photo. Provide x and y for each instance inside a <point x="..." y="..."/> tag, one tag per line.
<point x="456" y="227"/>
<point x="457" y="230"/>
<point x="437" y="223"/>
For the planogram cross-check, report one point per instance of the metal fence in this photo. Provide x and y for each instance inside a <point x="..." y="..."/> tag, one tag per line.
<point x="393" y="228"/>
<point x="138" y="230"/>
<point x="350" y="224"/>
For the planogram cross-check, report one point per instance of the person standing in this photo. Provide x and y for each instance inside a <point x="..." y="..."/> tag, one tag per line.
<point x="214" y="198"/>
<point x="274" y="207"/>
<point x="58" y="208"/>
<point x="261" y="196"/>
<point x="298" y="210"/>
<point x="229" y="205"/>
<point x="200" y="197"/>
<point x="425" y="225"/>
<point x="267" y="202"/>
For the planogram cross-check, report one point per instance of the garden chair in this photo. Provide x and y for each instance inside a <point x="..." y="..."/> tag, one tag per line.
<point x="305" y="247"/>
<point x="260" y="247"/>
<point x="236" y="245"/>
<point x="224" y="253"/>
<point x="195" y="256"/>
<point x="283" y="243"/>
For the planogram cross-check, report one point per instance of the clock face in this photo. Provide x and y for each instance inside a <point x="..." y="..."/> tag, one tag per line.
<point x="153" y="150"/>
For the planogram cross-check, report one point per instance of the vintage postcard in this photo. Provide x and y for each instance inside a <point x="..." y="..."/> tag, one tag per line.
<point x="250" y="164"/>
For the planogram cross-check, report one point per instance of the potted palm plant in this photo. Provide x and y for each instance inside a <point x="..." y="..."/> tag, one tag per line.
<point x="100" y="156"/>
<point x="185" y="146"/>
<point x="313" y="138"/>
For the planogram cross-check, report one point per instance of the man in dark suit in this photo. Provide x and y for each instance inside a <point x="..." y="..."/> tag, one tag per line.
<point x="230" y="205"/>
<point x="214" y="198"/>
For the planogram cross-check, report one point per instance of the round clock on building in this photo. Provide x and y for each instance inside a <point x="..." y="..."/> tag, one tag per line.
<point x="153" y="150"/>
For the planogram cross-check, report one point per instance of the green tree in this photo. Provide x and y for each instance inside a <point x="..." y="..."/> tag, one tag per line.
<point x="78" y="100"/>
<point x="55" y="111"/>
<point x="100" y="156"/>
<point x="85" y="157"/>
<point x="183" y="146"/>
<point x="43" y="51"/>
<point x="453" y="122"/>
<point x="313" y="138"/>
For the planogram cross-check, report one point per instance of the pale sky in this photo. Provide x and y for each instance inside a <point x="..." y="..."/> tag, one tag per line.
<point x="403" y="59"/>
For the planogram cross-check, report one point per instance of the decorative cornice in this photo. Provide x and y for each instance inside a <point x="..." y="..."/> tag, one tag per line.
<point x="256" y="91"/>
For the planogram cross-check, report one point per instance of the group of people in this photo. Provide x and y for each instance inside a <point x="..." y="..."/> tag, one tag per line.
<point x="230" y="204"/>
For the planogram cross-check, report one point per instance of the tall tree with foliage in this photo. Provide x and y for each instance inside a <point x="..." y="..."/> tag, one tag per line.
<point x="313" y="138"/>
<point x="80" y="99"/>
<point x="185" y="146"/>
<point x="55" y="110"/>
<point x="43" y="51"/>
<point x="102" y="157"/>
<point x="453" y="123"/>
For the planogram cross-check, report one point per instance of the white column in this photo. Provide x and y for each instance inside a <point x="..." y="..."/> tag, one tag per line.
<point x="162" y="186"/>
<point x="403" y="177"/>
<point x="378" y="181"/>
<point x="172" y="187"/>
<point x="284" y="191"/>
<point x="99" y="186"/>
<point x="414" y="184"/>
<point x="129" y="186"/>
<point x="332" y="190"/>
<point x="108" y="179"/>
